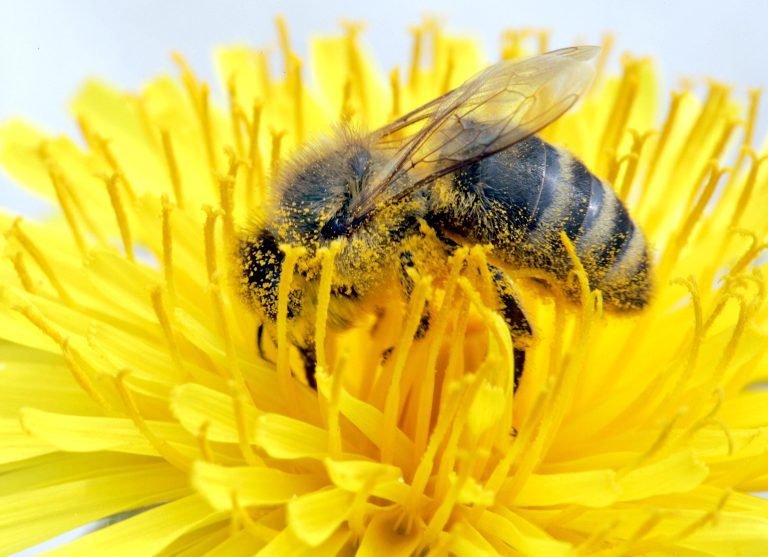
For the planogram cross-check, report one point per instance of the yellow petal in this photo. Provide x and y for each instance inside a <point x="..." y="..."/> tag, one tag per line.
<point x="315" y="516"/>
<point x="253" y="486"/>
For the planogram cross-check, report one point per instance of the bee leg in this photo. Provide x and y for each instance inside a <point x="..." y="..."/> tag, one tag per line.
<point x="407" y="264"/>
<point x="309" y="356"/>
<point x="519" y="327"/>
<point x="260" y="344"/>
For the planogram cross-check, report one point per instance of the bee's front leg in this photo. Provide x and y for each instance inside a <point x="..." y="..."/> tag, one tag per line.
<point x="519" y="327"/>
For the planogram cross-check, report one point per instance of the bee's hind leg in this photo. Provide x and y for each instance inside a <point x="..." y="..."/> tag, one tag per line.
<point x="517" y="322"/>
<point x="407" y="262"/>
<point x="309" y="356"/>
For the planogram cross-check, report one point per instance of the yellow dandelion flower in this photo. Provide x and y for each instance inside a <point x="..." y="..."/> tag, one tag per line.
<point x="132" y="382"/>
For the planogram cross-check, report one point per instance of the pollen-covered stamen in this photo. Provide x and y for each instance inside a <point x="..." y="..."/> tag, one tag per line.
<point x="121" y="217"/>
<point x="426" y="388"/>
<point x="285" y="379"/>
<point x="393" y="401"/>
<point x="327" y="256"/>
<point x="40" y="260"/>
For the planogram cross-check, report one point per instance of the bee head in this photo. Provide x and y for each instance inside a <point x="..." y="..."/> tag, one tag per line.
<point x="316" y="191"/>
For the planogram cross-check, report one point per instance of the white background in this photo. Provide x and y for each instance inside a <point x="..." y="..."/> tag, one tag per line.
<point x="48" y="47"/>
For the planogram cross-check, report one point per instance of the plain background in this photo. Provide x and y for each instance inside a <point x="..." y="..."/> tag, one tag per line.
<point x="48" y="47"/>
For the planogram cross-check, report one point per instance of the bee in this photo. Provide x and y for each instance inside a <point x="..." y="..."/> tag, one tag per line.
<point x="466" y="168"/>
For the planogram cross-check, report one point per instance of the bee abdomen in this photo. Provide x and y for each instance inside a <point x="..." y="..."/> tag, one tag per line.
<point x="531" y="192"/>
<point x="608" y="242"/>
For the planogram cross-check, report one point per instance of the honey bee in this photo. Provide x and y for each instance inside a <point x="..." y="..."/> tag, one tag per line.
<point x="465" y="168"/>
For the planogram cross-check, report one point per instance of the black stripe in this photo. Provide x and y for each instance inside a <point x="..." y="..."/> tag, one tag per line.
<point x="619" y="237"/>
<point x="548" y="187"/>
<point x="579" y="195"/>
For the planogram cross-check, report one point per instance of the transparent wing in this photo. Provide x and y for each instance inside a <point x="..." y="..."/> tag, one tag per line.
<point x="493" y="110"/>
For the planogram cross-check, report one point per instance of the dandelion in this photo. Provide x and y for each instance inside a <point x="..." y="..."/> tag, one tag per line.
<point x="132" y="383"/>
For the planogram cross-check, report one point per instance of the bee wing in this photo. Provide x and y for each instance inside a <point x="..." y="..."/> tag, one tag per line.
<point x="501" y="105"/>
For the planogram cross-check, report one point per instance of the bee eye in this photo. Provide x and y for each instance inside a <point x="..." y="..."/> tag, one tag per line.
<point x="337" y="226"/>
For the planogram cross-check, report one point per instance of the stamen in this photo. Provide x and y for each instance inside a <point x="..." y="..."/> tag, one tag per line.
<point x="715" y="155"/>
<point x="117" y="172"/>
<point x="173" y="169"/>
<point x="168" y="332"/>
<point x="708" y="517"/>
<point x="66" y="207"/>
<point x="632" y="159"/>
<point x="256" y="166"/>
<point x="39" y="259"/>
<point x="606" y="49"/>
<point x="543" y="36"/>
<point x="296" y="91"/>
<point x="227" y="200"/>
<point x="82" y="378"/>
<point x="749" y="185"/>
<point x="243" y="427"/>
<point x="23" y="273"/>
<point x="199" y="94"/>
<point x="120" y="216"/>
<point x="696" y="340"/>
<point x="167" y="231"/>
<point x="661" y="146"/>
<point x="328" y="256"/>
<point x="749" y="256"/>
<point x="209" y="232"/>
<point x="204" y="113"/>
<point x="619" y="114"/>
<point x="257" y="529"/>
<point x="284" y="42"/>
<point x="163" y="448"/>
<point x="413" y="69"/>
<point x="354" y="63"/>
<point x="235" y="115"/>
<point x="694" y="217"/>
<point x="277" y="139"/>
<point x="292" y="255"/>
<point x="202" y="441"/>
<point x="437" y="331"/>
<point x="394" y="84"/>
<point x="448" y="75"/>
<point x="35" y="317"/>
<point x="347" y="111"/>
<point x="393" y="399"/>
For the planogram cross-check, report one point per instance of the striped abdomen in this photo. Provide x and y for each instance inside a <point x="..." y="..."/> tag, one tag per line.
<point x="520" y="199"/>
